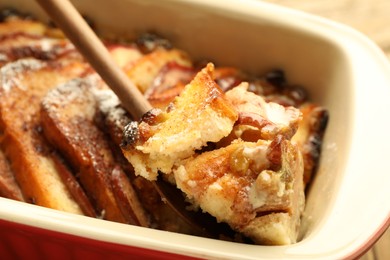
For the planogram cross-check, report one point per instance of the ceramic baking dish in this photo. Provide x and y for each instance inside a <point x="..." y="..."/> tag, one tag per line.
<point x="348" y="203"/>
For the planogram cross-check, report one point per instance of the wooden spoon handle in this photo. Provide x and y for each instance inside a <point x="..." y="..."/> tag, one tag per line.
<point x="65" y="15"/>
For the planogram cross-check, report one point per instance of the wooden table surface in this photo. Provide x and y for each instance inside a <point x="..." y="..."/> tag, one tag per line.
<point x="371" y="17"/>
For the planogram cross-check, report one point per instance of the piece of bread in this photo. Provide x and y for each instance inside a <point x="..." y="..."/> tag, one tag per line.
<point x="201" y="114"/>
<point x="245" y="183"/>
<point x="268" y="119"/>
<point x="30" y="66"/>
<point x="22" y="38"/>
<point x="112" y="120"/>
<point x="145" y="70"/>
<point x="23" y="83"/>
<point x="14" y="24"/>
<point x="8" y="186"/>
<point x="238" y="182"/>
<point x="67" y="116"/>
<point x="168" y="84"/>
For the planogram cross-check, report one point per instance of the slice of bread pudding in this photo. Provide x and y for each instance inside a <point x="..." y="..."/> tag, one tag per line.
<point x="201" y="114"/>
<point x="230" y="153"/>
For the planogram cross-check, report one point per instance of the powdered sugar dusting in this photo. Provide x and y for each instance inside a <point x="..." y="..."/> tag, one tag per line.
<point x="3" y="57"/>
<point x="67" y="92"/>
<point x="47" y="44"/>
<point x="70" y="90"/>
<point x="11" y="73"/>
<point x="107" y="100"/>
<point x="54" y="46"/>
<point x="109" y="104"/>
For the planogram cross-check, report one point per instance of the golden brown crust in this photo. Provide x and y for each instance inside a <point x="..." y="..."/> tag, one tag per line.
<point x="25" y="79"/>
<point x="112" y="120"/>
<point x="14" y="24"/>
<point x="24" y="83"/>
<point x="268" y="118"/>
<point x="8" y="186"/>
<point x="309" y="137"/>
<point x="73" y="186"/>
<point x="22" y="45"/>
<point x="68" y="121"/>
<point x="145" y="70"/>
<point x="201" y="114"/>
<point x="168" y="84"/>
<point x="236" y="184"/>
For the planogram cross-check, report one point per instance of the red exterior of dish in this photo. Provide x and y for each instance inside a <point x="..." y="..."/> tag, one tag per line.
<point x="19" y="241"/>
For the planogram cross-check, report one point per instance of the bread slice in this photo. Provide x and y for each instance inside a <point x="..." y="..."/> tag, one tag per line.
<point x="145" y="70"/>
<point x="112" y="120"/>
<point x="201" y="114"/>
<point x="8" y="186"/>
<point x="245" y="183"/>
<point x="254" y="185"/>
<point x="23" y="84"/>
<point x="268" y="119"/>
<point x="31" y="64"/>
<point x="67" y="115"/>
<point x="168" y="84"/>
<point x="124" y="55"/>
<point x="14" y="24"/>
<point x="23" y="38"/>
<point x="16" y="46"/>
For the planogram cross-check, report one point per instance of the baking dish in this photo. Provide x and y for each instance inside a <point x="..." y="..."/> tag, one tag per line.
<point x="347" y="204"/>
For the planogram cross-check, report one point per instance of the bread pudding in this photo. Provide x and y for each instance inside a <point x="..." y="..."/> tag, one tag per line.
<point x="239" y="147"/>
